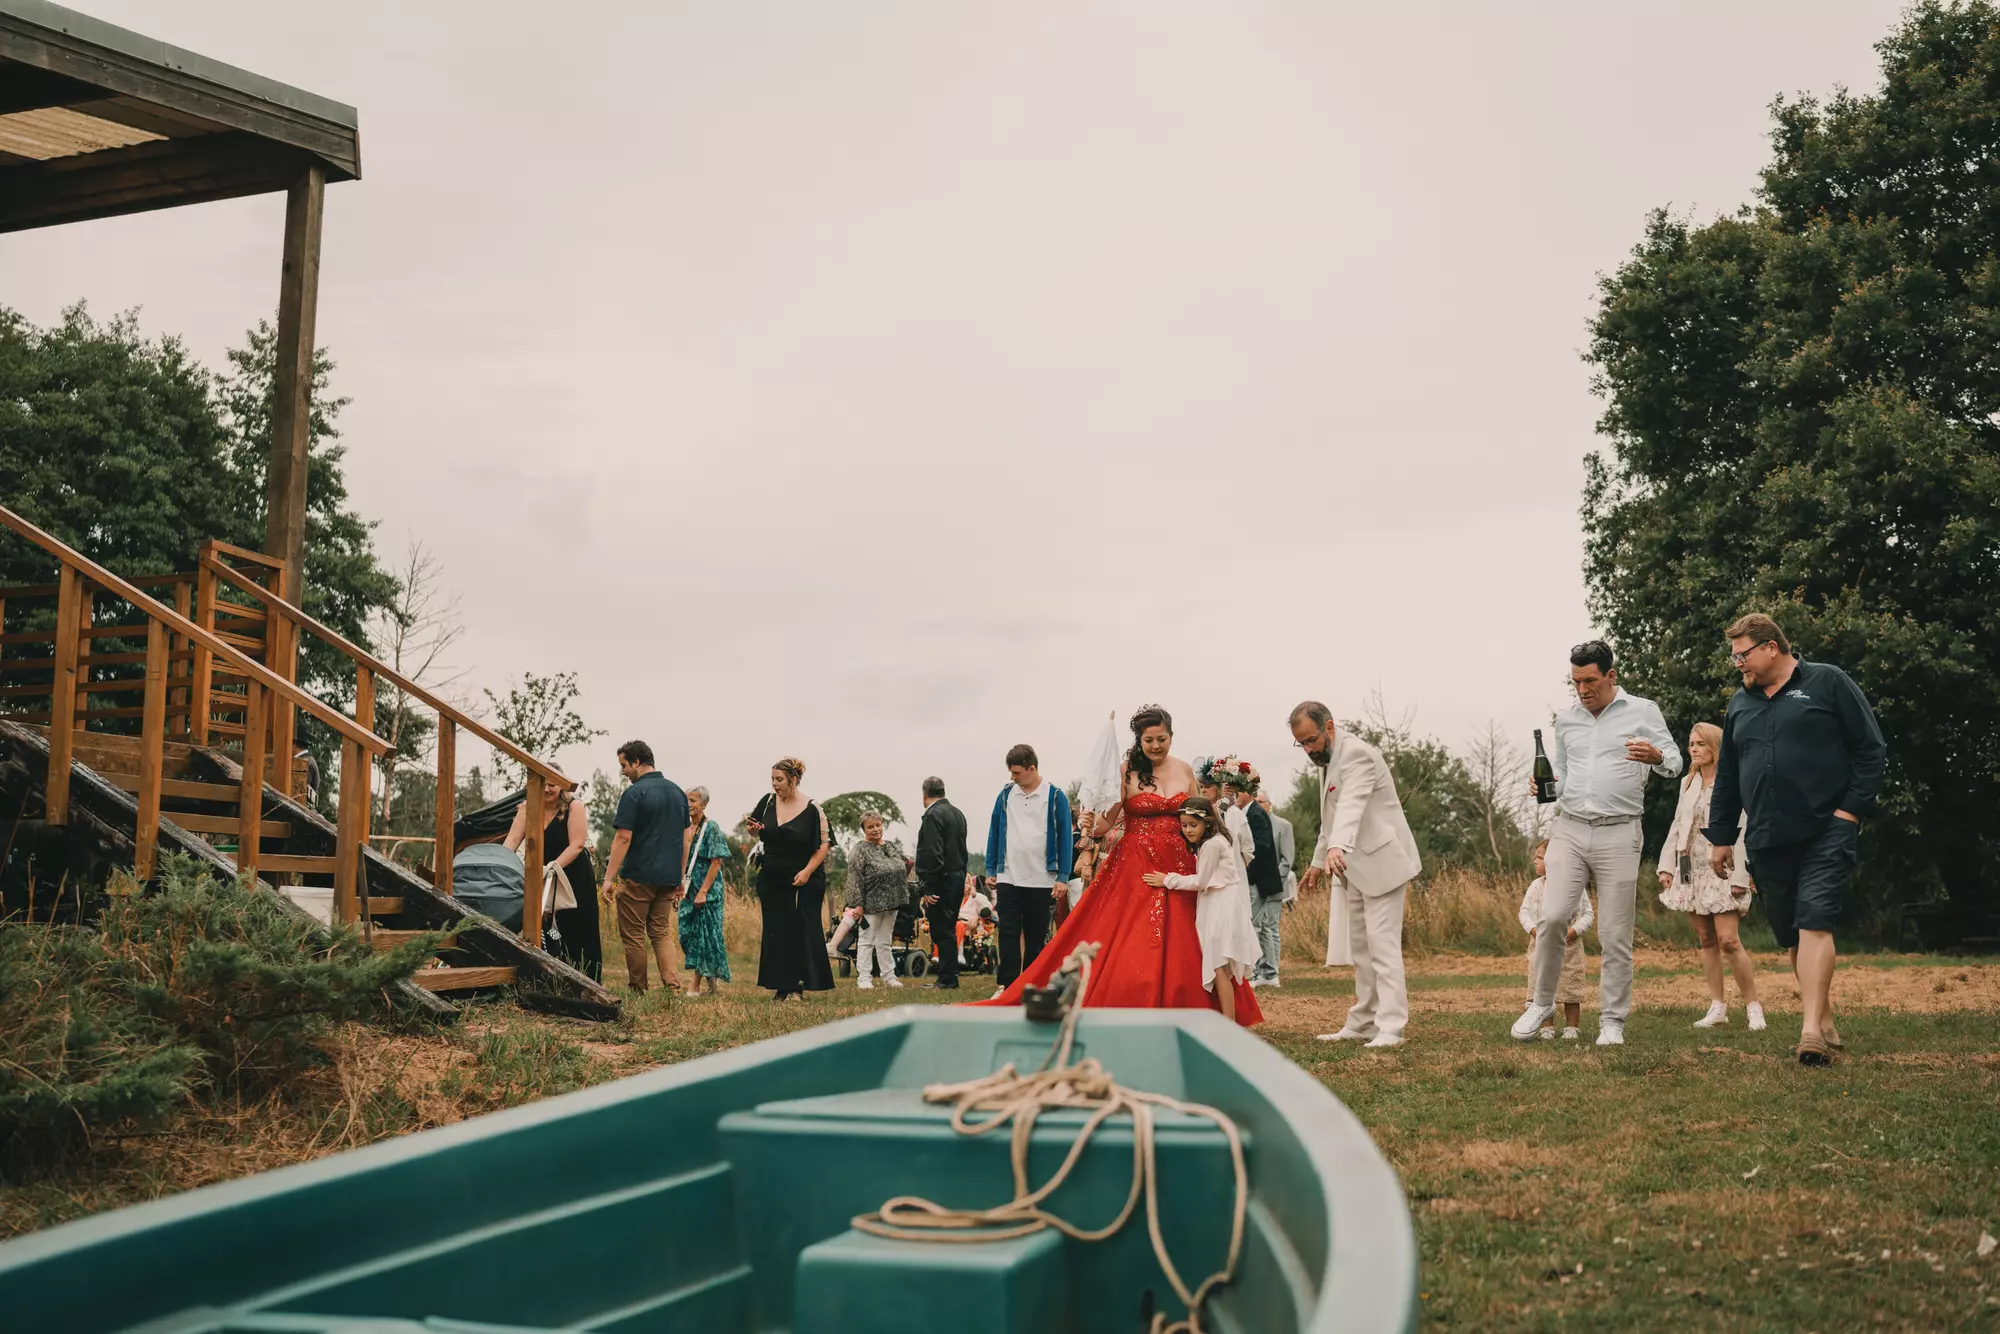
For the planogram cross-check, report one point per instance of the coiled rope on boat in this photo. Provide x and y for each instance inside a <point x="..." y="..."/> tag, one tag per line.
<point x="1008" y="1098"/>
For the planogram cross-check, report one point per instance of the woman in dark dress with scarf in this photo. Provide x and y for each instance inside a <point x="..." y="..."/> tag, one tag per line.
<point x="791" y="886"/>
<point x="565" y="846"/>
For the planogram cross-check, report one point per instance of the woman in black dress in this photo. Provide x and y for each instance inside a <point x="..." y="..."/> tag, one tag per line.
<point x="791" y="886"/>
<point x="566" y="846"/>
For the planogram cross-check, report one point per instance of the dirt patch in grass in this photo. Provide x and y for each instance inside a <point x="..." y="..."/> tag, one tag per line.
<point x="1505" y="1155"/>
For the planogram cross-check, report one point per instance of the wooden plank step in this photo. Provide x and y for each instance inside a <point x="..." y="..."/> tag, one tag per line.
<point x="386" y="939"/>
<point x="178" y="787"/>
<point x="275" y="862"/>
<point x="384" y="907"/>
<point x="462" y="979"/>
<point x="227" y="824"/>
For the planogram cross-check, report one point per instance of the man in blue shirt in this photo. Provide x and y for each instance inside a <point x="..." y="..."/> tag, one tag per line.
<point x="1606" y="744"/>
<point x="645" y="866"/>
<point x="1803" y="754"/>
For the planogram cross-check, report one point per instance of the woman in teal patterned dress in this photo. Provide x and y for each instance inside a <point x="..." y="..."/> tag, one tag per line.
<point x="701" y="907"/>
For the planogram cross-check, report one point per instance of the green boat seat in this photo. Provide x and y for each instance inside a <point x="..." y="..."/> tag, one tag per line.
<point x="858" y="1281"/>
<point x="805" y="1167"/>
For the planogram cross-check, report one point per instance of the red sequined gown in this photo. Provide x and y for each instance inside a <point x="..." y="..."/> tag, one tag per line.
<point x="1150" y="956"/>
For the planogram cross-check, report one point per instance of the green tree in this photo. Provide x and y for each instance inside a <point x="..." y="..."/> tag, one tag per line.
<point x="1801" y="405"/>
<point x="845" y="812"/>
<point x="538" y="715"/>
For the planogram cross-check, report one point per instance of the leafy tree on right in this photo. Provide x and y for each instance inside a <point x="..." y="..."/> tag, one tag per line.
<point x="1803" y="410"/>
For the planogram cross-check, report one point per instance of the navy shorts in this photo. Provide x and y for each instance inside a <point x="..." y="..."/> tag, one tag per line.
<point x="1802" y="884"/>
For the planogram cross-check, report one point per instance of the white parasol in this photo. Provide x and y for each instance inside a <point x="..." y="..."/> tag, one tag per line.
<point x="1098" y="790"/>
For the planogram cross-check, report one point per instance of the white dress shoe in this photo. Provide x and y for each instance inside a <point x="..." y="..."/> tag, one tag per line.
<point x="1347" y="1035"/>
<point x="865" y="984"/>
<point x="1529" y="1026"/>
<point x="1610" y="1034"/>
<point x="1385" y="1040"/>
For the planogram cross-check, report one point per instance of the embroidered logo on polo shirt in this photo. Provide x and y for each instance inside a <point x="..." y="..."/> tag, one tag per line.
<point x="1797" y="694"/>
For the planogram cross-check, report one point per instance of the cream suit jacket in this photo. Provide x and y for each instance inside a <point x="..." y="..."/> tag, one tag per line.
<point x="1361" y="815"/>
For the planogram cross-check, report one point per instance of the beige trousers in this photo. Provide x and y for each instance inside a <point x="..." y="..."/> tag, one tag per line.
<point x="1375" y="928"/>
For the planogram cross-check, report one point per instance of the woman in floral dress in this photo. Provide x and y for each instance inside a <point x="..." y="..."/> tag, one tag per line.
<point x="1687" y="884"/>
<point x="701" y="907"/>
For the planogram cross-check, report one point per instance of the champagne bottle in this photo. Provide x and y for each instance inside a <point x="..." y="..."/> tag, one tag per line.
<point x="1545" y="773"/>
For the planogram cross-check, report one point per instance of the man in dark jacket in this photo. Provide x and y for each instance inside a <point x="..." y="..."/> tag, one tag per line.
<point x="941" y="878"/>
<point x="1267" y="879"/>
<point x="1802" y="753"/>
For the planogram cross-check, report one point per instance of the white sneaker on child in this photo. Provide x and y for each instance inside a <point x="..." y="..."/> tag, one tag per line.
<point x="1718" y="1013"/>
<point x="1756" y="1013"/>
<point x="1548" y="1035"/>
<point x="1571" y="1035"/>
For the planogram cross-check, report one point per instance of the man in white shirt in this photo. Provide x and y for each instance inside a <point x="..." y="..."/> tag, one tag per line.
<point x="1030" y="847"/>
<point x="1605" y="746"/>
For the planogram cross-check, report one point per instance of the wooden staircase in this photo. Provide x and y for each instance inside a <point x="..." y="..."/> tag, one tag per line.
<point x="206" y="757"/>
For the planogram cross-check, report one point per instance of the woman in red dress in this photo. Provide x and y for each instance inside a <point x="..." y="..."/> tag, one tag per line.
<point x="1149" y="955"/>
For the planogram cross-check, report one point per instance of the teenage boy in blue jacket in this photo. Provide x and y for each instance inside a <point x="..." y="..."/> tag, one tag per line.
<point x="1029" y="845"/>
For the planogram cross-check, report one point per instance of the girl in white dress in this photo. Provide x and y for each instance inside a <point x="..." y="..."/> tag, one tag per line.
<point x="1229" y="945"/>
<point x="1713" y="904"/>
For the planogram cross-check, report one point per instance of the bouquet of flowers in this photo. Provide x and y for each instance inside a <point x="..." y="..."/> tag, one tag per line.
<point x="1227" y="771"/>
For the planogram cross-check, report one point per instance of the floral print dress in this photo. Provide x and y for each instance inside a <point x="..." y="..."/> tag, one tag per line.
<point x="701" y="923"/>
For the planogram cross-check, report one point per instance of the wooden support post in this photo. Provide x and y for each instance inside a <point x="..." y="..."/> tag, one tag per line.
<point x="447" y="803"/>
<point x="291" y="408"/>
<point x="62" y="701"/>
<point x="531" y="903"/>
<point x="282" y="656"/>
<point x="86" y="617"/>
<point x="183" y="603"/>
<point x="152" y="751"/>
<point x="347" y="830"/>
<point x="202" y="676"/>
<point x="250" y="795"/>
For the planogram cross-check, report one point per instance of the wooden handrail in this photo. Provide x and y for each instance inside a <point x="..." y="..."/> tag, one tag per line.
<point x="369" y="662"/>
<point x="156" y="610"/>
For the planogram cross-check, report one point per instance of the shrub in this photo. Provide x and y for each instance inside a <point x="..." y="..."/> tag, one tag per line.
<point x="202" y="986"/>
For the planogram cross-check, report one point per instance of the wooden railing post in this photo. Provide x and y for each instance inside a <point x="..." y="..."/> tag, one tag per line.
<point x="202" y="676"/>
<point x="250" y="793"/>
<point x="181" y="671"/>
<point x="62" y="695"/>
<point x="347" y="827"/>
<point x="531" y="903"/>
<point x="281" y="651"/>
<point x="86" y="617"/>
<point x="447" y="803"/>
<point x="152" y="750"/>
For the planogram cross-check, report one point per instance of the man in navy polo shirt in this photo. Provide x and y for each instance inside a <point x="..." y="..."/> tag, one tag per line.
<point x="1801" y="751"/>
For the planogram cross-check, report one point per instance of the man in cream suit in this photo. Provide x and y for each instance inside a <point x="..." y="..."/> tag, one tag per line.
<point x="1367" y="856"/>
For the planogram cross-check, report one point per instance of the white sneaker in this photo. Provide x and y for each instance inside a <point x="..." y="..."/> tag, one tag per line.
<point x="1347" y="1035"/>
<point x="1385" y="1040"/>
<point x="1548" y="1035"/>
<point x="1571" y="1035"/>
<point x="893" y="981"/>
<point x="1610" y="1033"/>
<point x="1531" y="1021"/>
<point x="866" y="984"/>
<point x="998" y="992"/>
<point x="1756" y="1013"/>
<point x="1718" y="1013"/>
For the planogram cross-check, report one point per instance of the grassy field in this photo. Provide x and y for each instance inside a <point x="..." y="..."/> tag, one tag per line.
<point x="1688" y="1180"/>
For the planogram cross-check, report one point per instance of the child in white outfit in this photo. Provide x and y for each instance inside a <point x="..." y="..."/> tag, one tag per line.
<point x="1569" y="991"/>
<point x="1229" y="945"/>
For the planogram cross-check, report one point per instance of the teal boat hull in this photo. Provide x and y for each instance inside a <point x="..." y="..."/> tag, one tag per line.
<point x="716" y="1196"/>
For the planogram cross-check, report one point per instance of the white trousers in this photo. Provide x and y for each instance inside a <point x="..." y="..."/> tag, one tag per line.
<point x="1578" y="855"/>
<point x="1375" y="931"/>
<point x="876" y="950"/>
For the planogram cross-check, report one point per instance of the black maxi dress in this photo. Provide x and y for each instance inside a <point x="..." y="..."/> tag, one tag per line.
<point x="793" y="956"/>
<point x="580" y="947"/>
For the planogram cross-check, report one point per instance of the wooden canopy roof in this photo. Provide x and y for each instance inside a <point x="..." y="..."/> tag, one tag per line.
<point x="96" y="120"/>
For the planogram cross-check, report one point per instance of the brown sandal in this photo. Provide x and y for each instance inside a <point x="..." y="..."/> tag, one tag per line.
<point x="1812" y="1050"/>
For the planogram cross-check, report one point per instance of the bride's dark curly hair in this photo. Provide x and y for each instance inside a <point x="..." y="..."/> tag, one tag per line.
<point x="1149" y="715"/>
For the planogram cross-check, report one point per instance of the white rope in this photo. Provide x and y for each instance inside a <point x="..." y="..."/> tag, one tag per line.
<point x="1009" y="1098"/>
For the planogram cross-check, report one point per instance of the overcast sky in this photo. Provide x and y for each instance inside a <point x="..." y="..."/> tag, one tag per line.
<point x="886" y="383"/>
